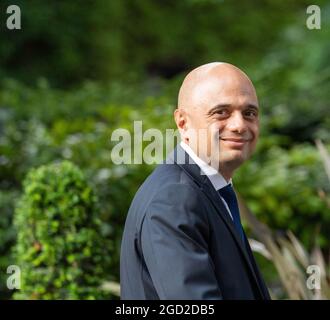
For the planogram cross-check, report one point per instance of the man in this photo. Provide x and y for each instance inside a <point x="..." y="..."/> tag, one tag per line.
<point x="183" y="237"/>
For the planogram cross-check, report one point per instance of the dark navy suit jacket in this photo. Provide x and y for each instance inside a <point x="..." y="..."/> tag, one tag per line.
<point x="179" y="241"/>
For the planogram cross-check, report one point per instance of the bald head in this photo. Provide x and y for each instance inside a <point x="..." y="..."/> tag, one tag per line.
<point x="209" y="80"/>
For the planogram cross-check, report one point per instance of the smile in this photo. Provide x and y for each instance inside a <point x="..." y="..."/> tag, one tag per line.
<point x="235" y="143"/>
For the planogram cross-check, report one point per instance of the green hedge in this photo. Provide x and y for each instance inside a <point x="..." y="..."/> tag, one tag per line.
<point x="60" y="249"/>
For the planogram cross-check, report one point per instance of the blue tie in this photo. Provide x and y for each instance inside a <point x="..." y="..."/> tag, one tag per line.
<point x="229" y="195"/>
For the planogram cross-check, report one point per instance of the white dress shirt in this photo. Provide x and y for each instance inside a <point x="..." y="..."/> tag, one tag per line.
<point x="217" y="180"/>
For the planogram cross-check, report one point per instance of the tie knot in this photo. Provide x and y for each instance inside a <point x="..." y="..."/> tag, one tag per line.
<point x="227" y="192"/>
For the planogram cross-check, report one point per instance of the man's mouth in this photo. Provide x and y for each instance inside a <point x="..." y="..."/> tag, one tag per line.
<point x="234" y="139"/>
<point x="235" y="142"/>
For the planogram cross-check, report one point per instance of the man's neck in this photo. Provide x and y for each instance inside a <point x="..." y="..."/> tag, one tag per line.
<point x="226" y="173"/>
<point x="217" y="178"/>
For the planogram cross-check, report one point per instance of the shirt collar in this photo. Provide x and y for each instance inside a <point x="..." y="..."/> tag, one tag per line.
<point x="217" y="180"/>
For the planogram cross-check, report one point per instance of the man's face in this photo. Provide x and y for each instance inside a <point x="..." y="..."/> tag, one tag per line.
<point x="227" y="111"/>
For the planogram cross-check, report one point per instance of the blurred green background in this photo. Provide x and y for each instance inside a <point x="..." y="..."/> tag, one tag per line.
<point x="78" y="70"/>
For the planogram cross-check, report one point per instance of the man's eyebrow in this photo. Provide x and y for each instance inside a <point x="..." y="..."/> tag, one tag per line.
<point x="220" y="106"/>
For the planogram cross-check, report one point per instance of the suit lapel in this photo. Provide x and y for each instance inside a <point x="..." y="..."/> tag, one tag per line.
<point x="182" y="159"/>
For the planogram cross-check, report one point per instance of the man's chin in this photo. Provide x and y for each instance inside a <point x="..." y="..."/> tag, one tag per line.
<point x="233" y="157"/>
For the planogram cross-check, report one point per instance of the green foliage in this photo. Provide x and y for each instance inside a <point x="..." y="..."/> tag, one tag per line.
<point x="292" y="81"/>
<point x="60" y="250"/>
<point x="69" y="41"/>
<point x="7" y="237"/>
<point x="282" y="187"/>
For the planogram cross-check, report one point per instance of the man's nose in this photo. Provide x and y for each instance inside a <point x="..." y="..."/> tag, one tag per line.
<point x="236" y="123"/>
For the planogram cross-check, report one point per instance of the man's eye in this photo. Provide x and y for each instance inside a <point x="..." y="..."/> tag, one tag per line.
<point x="251" y="114"/>
<point x="222" y="112"/>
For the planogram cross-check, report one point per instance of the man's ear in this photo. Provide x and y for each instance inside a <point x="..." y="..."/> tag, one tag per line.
<point x="180" y="117"/>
